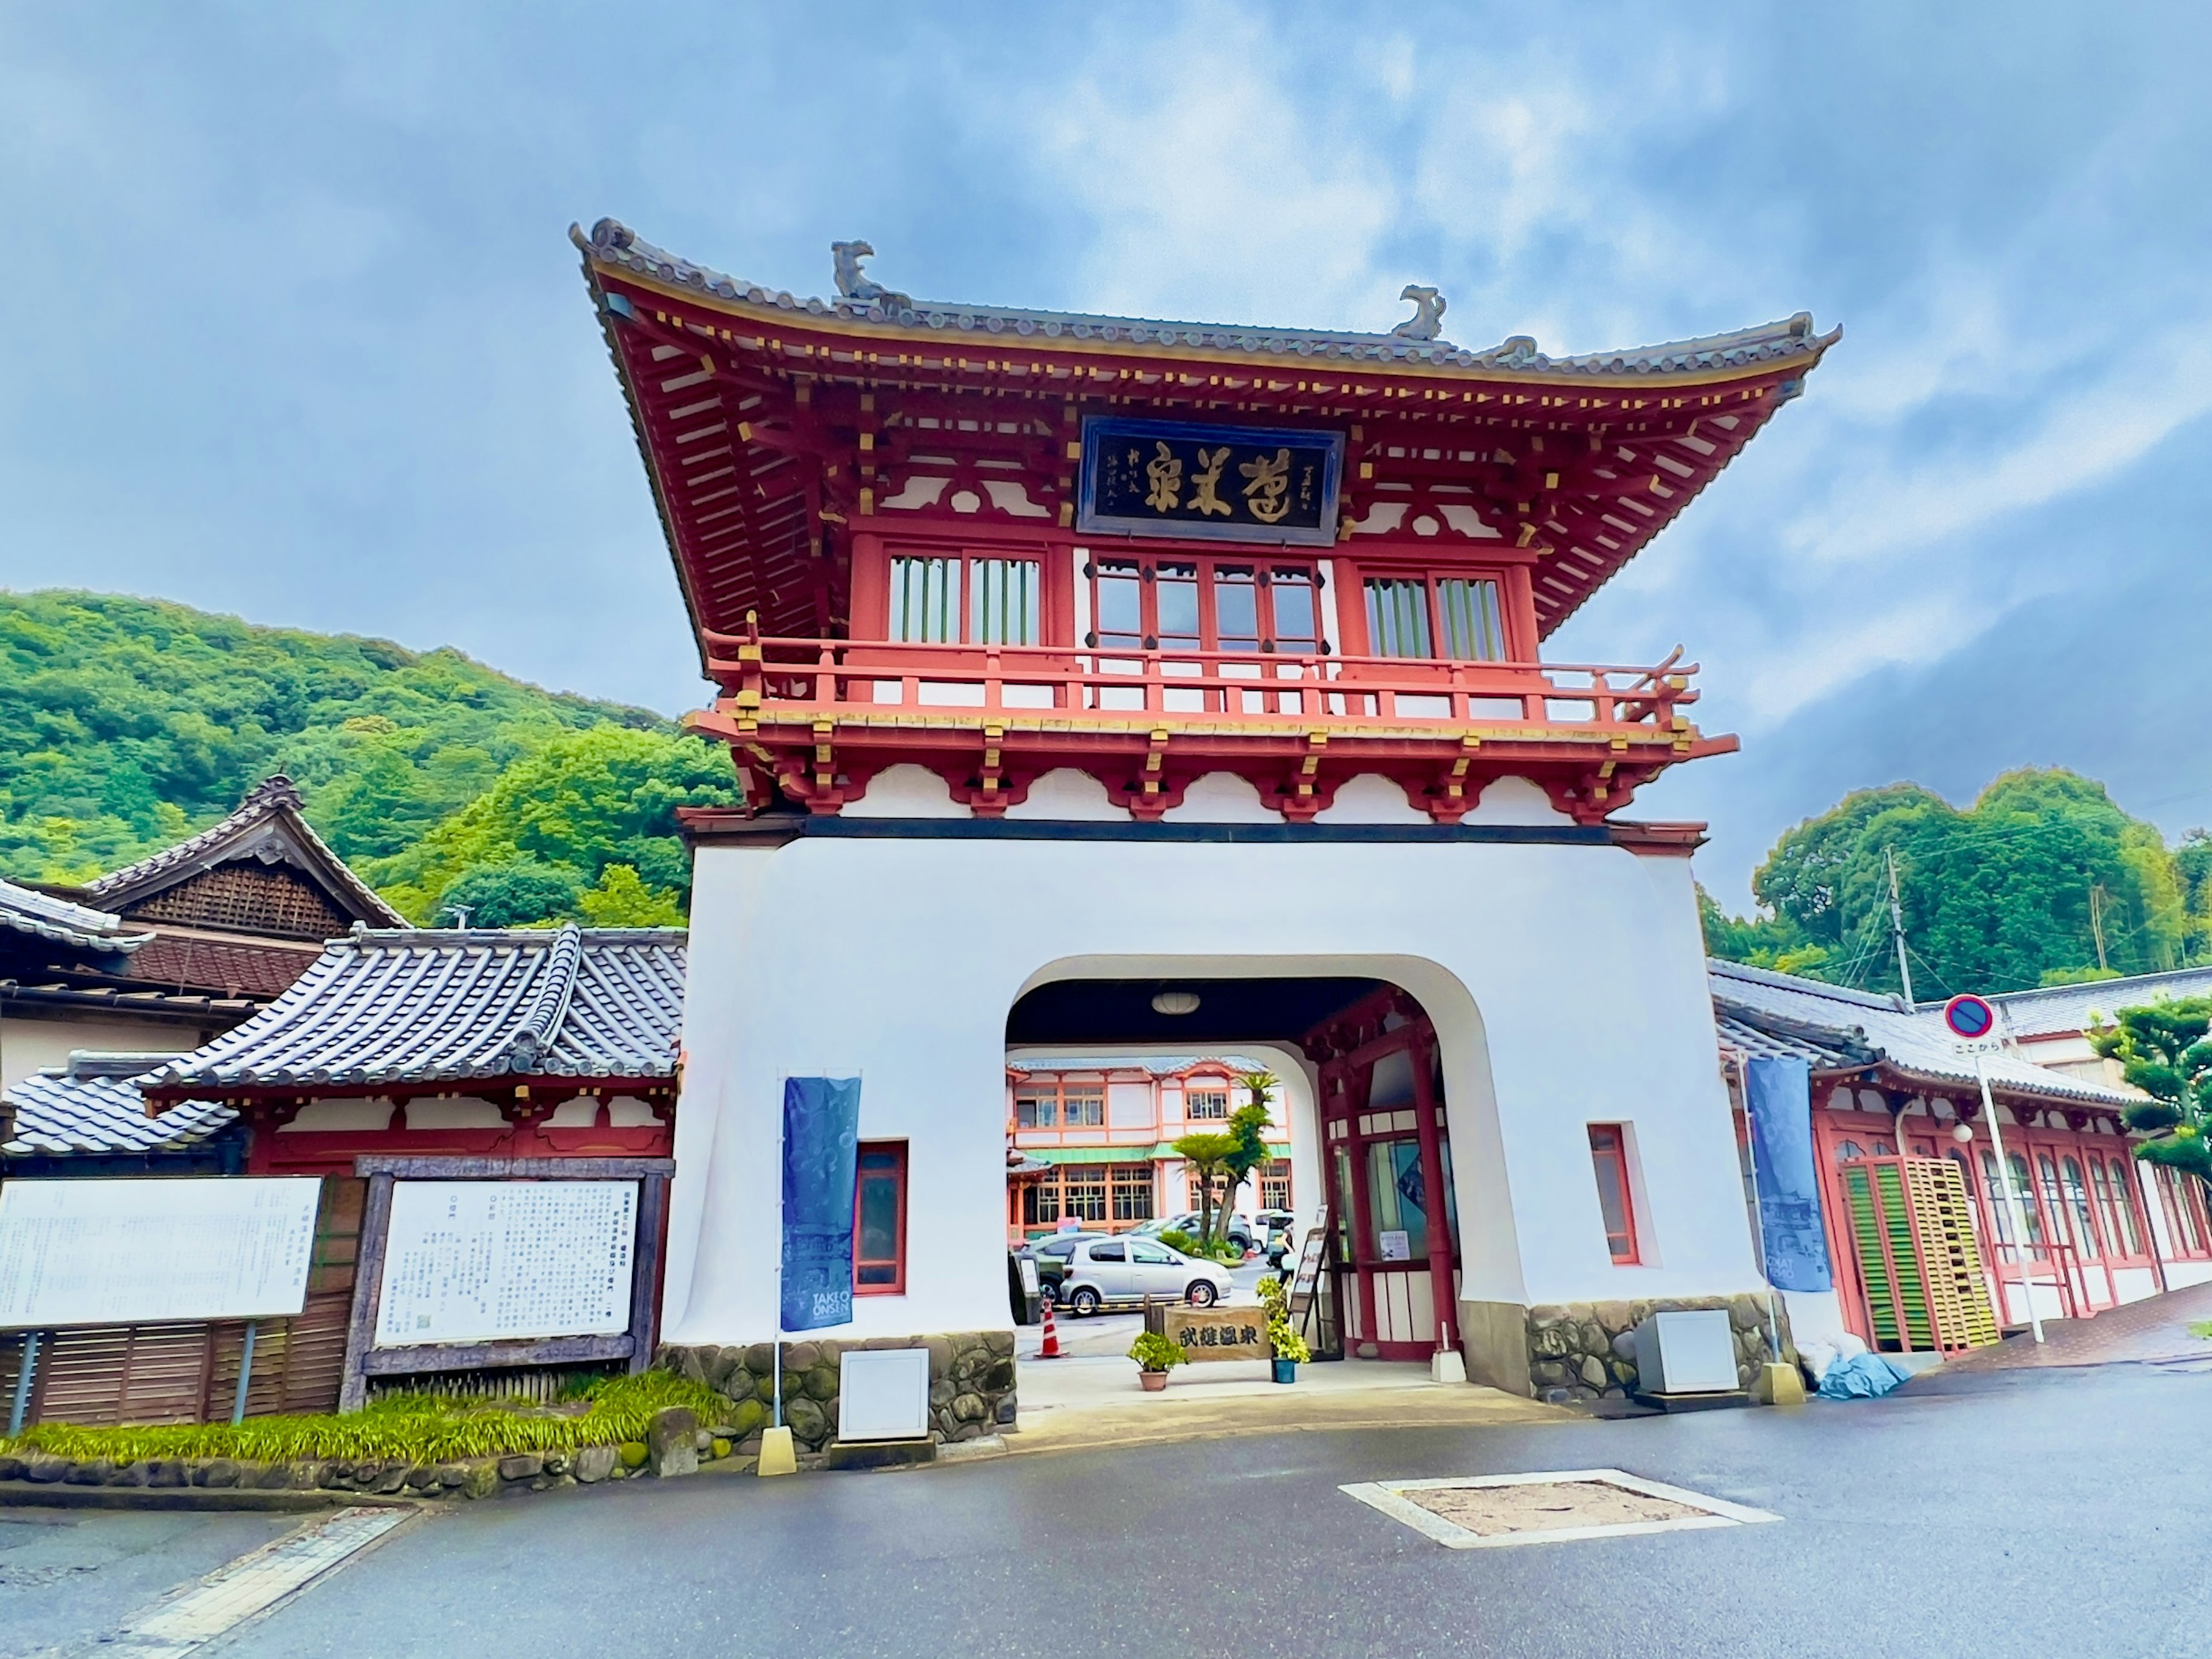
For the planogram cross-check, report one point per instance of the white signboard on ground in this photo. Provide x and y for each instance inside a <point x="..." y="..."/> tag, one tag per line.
<point x="498" y="1261"/>
<point x="139" y="1251"/>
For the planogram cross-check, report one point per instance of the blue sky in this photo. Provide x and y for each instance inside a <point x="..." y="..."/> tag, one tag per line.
<point x="295" y="332"/>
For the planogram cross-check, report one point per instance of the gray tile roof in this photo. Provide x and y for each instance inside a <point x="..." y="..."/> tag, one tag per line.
<point x="613" y="244"/>
<point x="1837" y="1029"/>
<point x="90" y="1105"/>
<point x="425" y="1006"/>
<point x="267" y="825"/>
<point x="43" y="916"/>
<point x="2064" y="1009"/>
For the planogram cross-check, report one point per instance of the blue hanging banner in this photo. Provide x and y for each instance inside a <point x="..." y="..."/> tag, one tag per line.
<point x="821" y="1137"/>
<point x="1778" y="1102"/>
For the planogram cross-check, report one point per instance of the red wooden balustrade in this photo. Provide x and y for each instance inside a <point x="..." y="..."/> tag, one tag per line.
<point x="830" y="677"/>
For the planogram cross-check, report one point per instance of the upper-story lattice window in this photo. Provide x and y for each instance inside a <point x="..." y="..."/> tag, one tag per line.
<point x="1454" y="616"/>
<point x="1205" y="604"/>
<point x="954" y="599"/>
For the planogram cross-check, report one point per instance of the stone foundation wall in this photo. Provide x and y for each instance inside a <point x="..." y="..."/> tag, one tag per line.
<point x="1587" y="1350"/>
<point x="971" y="1383"/>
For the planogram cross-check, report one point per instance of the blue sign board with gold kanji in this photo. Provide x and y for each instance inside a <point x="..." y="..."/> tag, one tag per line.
<point x="1182" y="479"/>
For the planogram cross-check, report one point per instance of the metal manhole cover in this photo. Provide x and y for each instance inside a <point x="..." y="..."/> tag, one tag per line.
<point x="1486" y="1511"/>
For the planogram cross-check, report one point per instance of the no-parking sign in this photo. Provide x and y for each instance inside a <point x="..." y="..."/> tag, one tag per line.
<point x="1970" y="1018"/>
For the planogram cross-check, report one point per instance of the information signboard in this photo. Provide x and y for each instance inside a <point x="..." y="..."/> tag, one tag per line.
<point x="1308" y="1270"/>
<point x="147" y="1249"/>
<point x="493" y="1260"/>
<point x="1218" y="1333"/>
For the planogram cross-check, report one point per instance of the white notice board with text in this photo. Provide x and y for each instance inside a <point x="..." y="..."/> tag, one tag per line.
<point x="144" y="1249"/>
<point x="499" y="1260"/>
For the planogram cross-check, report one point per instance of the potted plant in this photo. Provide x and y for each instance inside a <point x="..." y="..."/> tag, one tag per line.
<point x="1154" y="1353"/>
<point x="1288" y="1347"/>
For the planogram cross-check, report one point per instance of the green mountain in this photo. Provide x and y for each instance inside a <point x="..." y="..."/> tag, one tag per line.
<point x="125" y="724"/>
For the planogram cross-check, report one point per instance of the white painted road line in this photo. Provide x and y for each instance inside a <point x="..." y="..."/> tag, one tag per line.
<point x="252" y="1584"/>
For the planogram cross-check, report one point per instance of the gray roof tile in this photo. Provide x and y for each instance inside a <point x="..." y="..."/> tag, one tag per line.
<point x="1836" y="1029"/>
<point x="614" y="244"/>
<point x="91" y="1105"/>
<point x="434" y="1005"/>
<point x="41" y="915"/>
<point x="2063" y="1009"/>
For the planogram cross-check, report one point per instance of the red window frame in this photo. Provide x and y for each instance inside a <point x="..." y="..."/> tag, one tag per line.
<point x="1206" y="568"/>
<point x="1608" y="1145"/>
<point x="891" y="1165"/>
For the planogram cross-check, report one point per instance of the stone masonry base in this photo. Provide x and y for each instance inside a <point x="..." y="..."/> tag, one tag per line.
<point x="971" y="1383"/>
<point x="1580" y="1351"/>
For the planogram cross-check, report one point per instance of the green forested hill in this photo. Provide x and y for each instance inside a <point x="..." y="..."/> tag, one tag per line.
<point x="2045" y="878"/>
<point x="127" y="723"/>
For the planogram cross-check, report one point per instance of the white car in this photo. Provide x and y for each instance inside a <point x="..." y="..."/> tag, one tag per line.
<point x="1103" y="1271"/>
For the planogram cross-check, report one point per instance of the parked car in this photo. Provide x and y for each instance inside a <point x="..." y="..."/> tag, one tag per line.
<point x="1242" y="1233"/>
<point x="1104" y="1271"/>
<point x="1051" y="1257"/>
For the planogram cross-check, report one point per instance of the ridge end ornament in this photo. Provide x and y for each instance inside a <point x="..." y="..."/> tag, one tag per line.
<point x="1427" y="322"/>
<point x="856" y="284"/>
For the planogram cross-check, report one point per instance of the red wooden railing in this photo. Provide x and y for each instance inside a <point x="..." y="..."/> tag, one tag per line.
<point x="834" y="676"/>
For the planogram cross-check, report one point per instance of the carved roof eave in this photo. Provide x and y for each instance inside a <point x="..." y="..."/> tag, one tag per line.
<point x="613" y="251"/>
<point x="268" y="826"/>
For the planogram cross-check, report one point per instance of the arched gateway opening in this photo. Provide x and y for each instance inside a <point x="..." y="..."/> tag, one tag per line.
<point x="1370" y="1120"/>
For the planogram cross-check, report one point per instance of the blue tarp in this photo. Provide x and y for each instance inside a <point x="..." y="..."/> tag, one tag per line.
<point x="1863" y="1377"/>
<point x="1778" y="1098"/>
<point x="821" y="1138"/>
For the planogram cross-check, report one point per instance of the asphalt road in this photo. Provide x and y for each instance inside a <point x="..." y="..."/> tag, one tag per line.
<point x="2052" y="1512"/>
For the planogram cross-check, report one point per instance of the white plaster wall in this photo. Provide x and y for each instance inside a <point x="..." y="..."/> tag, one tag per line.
<point x="1371" y="799"/>
<point x="1567" y="984"/>
<point x="1069" y="795"/>
<point x="31" y="1045"/>
<point x="906" y="791"/>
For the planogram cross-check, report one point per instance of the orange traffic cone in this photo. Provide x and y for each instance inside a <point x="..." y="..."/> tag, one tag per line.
<point x="1049" y="1348"/>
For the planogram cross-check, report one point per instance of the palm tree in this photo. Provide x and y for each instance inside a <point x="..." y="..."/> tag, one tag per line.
<point x="1248" y="1147"/>
<point x="1208" y="1154"/>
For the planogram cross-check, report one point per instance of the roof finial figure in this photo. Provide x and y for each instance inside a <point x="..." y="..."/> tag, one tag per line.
<point x="853" y="283"/>
<point x="1427" y="321"/>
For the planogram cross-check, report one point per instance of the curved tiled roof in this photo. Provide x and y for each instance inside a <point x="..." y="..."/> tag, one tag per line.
<point x="424" y="1006"/>
<point x="268" y="822"/>
<point x="41" y="915"/>
<point x="1837" y="1029"/>
<point x="614" y="244"/>
<point x="91" y="1106"/>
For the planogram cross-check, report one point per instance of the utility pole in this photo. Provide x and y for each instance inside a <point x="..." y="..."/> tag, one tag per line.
<point x="2097" y="923"/>
<point x="1897" y="924"/>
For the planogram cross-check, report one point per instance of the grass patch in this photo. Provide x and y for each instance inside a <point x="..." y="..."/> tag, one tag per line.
<point x="2202" y="1328"/>
<point x="418" y="1428"/>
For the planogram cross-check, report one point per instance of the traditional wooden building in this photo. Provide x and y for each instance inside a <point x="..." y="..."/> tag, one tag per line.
<point x="1098" y="680"/>
<point x="510" y="1046"/>
<point x="2102" y="1228"/>
<point x="162" y="955"/>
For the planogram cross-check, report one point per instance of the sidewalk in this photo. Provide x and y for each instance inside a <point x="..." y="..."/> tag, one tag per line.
<point x="2154" y="1329"/>
<point x="1067" y="1404"/>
